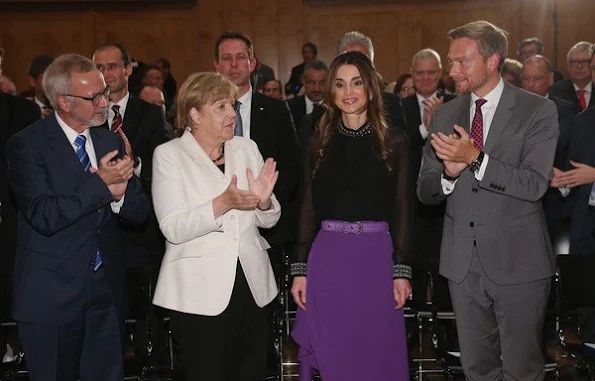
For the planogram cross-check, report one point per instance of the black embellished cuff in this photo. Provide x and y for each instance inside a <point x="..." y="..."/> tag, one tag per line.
<point x="298" y="269"/>
<point x="401" y="271"/>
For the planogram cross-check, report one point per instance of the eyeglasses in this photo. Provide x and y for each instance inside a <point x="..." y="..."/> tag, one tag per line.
<point x="579" y="62"/>
<point x="95" y="99"/>
<point x="109" y="67"/>
<point x="421" y="73"/>
<point x="407" y="89"/>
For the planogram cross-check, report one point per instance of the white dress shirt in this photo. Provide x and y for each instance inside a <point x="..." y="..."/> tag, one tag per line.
<point x="488" y="110"/>
<point x="245" y="112"/>
<point x="71" y="135"/>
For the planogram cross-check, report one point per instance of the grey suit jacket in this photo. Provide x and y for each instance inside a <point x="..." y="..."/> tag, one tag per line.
<point x="501" y="214"/>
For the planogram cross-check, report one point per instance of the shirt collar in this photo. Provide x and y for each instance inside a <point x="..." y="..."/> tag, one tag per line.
<point x="586" y="88"/>
<point x="493" y="97"/>
<point x="246" y="98"/>
<point x="69" y="132"/>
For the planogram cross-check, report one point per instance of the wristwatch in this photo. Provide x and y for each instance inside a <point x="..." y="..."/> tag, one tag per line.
<point x="476" y="164"/>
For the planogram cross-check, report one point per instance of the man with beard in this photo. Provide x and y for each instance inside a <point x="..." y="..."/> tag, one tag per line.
<point x="313" y="81"/>
<point x="490" y="156"/>
<point x="72" y="183"/>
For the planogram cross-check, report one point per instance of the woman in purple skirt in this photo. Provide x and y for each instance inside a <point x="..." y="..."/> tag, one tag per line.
<point x="351" y="277"/>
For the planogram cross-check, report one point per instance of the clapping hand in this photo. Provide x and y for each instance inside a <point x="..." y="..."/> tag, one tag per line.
<point x="264" y="184"/>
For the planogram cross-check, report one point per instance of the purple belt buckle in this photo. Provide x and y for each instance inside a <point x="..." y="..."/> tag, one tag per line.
<point x="355" y="227"/>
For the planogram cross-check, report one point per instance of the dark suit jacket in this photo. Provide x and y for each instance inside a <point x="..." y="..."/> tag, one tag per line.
<point x="582" y="150"/>
<point x="499" y="217"/>
<point x="565" y="90"/>
<point x="426" y="232"/>
<point x="297" y="106"/>
<point x="555" y="206"/>
<point x="294" y="84"/>
<point x="144" y="127"/>
<point x="15" y="114"/>
<point x="64" y="217"/>
<point x="272" y="130"/>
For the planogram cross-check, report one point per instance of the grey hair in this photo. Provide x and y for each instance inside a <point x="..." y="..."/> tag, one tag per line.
<point x="582" y="46"/>
<point x="490" y="39"/>
<point x="356" y="38"/>
<point x="425" y="54"/>
<point x="316" y="65"/>
<point x="57" y="78"/>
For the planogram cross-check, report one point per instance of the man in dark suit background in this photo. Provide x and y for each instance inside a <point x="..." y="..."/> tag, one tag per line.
<point x="294" y="85"/>
<point x="71" y="183"/>
<point x="143" y="126"/>
<point x="313" y="81"/>
<point x="15" y="114"/>
<point x="267" y="121"/>
<point x="490" y="158"/>
<point x="579" y="88"/>
<point x="537" y="77"/>
<point x="426" y="232"/>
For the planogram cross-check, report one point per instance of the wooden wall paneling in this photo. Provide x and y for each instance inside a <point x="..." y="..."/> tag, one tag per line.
<point x="210" y="21"/>
<point x="152" y="34"/>
<point x="24" y="35"/>
<point x="292" y="33"/>
<point x="574" y="24"/>
<point x="327" y="24"/>
<point x="264" y="32"/>
<point x="536" y="18"/>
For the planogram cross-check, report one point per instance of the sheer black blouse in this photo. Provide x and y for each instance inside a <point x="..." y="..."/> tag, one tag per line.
<point x="353" y="183"/>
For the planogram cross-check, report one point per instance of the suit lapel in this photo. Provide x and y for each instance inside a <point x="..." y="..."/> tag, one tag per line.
<point x="501" y="116"/>
<point x="132" y="117"/>
<point x="463" y="118"/>
<point x="257" y="121"/>
<point x="59" y="143"/>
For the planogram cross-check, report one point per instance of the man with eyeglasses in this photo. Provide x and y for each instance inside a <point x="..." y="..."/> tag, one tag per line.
<point x="142" y="125"/>
<point x="579" y="88"/>
<point x="72" y="182"/>
<point x="426" y="71"/>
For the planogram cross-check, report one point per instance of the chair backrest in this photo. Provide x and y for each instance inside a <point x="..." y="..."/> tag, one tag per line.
<point x="576" y="280"/>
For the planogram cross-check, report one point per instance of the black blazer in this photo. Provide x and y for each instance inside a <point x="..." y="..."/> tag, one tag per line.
<point x="581" y="150"/>
<point x="15" y="114"/>
<point x="426" y="232"/>
<point x="272" y="130"/>
<point x="144" y="127"/>
<point x="64" y="217"/>
<point x="297" y="106"/>
<point x="555" y="206"/>
<point x="565" y="90"/>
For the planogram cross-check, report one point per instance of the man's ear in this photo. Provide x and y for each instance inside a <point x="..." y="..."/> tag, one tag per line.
<point x="63" y="103"/>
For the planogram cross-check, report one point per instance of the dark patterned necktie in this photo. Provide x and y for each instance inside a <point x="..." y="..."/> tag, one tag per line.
<point x="238" y="129"/>
<point x="477" y="125"/>
<point x="81" y="153"/>
<point x="117" y="121"/>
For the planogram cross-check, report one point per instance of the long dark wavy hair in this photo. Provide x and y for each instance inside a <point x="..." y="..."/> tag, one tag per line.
<point x="374" y="108"/>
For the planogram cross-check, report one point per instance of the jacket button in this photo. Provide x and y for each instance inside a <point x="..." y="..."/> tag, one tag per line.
<point x="471" y="224"/>
<point x="233" y="217"/>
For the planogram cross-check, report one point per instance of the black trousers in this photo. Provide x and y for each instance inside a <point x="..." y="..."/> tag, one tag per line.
<point x="229" y="347"/>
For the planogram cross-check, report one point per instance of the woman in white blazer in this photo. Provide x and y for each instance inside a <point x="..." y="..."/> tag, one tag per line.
<point x="212" y="191"/>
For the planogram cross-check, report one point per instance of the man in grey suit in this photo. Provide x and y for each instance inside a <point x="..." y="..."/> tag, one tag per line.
<point x="490" y="157"/>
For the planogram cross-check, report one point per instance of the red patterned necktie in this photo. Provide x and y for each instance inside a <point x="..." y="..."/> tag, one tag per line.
<point x="117" y="121"/>
<point x="477" y="125"/>
<point x="581" y="99"/>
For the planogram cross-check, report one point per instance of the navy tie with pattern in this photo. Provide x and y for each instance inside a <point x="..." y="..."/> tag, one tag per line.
<point x="83" y="157"/>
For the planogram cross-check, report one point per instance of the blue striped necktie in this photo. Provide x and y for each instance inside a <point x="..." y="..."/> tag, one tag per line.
<point x="83" y="157"/>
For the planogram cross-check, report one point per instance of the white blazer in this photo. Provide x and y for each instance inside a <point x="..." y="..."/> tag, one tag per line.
<point x="198" y="270"/>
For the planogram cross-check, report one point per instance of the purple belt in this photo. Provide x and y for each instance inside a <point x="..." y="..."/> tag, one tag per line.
<point x="354" y="227"/>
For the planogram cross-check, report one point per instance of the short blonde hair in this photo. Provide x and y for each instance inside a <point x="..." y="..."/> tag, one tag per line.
<point x="490" y="39"/>
<point x="198" y="90"/>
